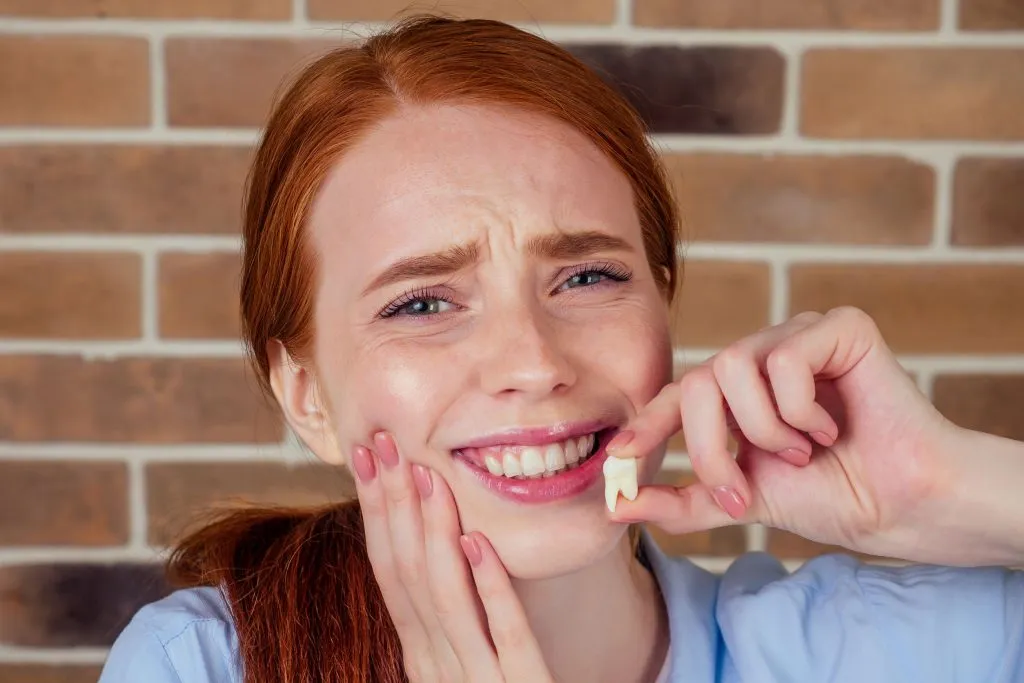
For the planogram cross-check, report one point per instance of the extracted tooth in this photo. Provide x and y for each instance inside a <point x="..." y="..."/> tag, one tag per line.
<point x="620" y="474"/>
<point x="510" y="465"/>
<point x="532" y="461"/>
<point x="572" y="452"/>
<point x="554" y="458"/>
<point x="493" y="465"/>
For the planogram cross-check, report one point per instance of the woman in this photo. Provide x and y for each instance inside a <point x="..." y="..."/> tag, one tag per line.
<point x="459" y="256"/>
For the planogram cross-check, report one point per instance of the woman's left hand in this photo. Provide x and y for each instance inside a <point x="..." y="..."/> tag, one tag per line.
<point x="835" y="442"/>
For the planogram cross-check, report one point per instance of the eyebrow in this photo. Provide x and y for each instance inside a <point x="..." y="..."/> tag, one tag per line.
<point x="564" y="245"/>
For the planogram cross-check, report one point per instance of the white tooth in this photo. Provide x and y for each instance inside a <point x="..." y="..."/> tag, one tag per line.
<point x="532" y="461"/>
<point x="510" y="465"/>
<point x="620" y="474"/>
<point x="554" y="458"/>
<point x="581" y="443"/>
<point x="493" y="465"/>
<point x="572" y="452"/>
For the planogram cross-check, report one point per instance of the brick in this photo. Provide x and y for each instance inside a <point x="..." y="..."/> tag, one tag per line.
<point x="150" y="9"/>
<point x="897" y="15"/>
<point x="121" y="188"/>
<point x="64" y="80"/>
<point x="54" y="295"/>
<point x="199" y="296"/>
<point x="934" y="308"/>
<point x="812" y="199"/>
<point x="988" y="206"/>
<point x="231" y="81"/>
<point x="181" y="495"/>
<point x="72" y="604"/>
<point x="716" y="90"/>
<point x="86" y="503"/>
<point x="133" y="400"/>
<point x="913" y="93"/>
<point x="719" y="302"/>
<point x="726" y="541"/>
<point x="984" y="403"/>
<point x="991" y="15"/>
<point x="49" y="673"/>
<point x="528" y="12"/>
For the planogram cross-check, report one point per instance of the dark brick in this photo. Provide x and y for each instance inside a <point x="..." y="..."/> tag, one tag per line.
<point x="73" y="605"/>
<point x="992" y="15"/>
<point x="49" y="673"/>
<point x="708" y="90"/>
<point x="988" y="204"/>
<point x="985" y="403"/>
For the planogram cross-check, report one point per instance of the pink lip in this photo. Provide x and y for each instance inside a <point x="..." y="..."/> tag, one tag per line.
<point x="565" y="484"/>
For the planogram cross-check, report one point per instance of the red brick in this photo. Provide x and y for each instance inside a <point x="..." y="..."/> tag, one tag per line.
<point x="181" y="495"/>
<point x="49" y="673"/>
<point x="231" y="81"/>
<point x="991" y="15"/>
<point x="155" y="9"/>
<point x="121" y="188"/>
<point x="719" y="302"/>
<point x="65" y="80"/>
<point x="985" y="403"/>
<point x="518" y="11"/>
<point x="913" y="93"/>
<point x="63" y="503"/>
<point x="133" y="400"/>
<point x="199" y="296"/>
<point x="988" y="206"/>
<point x="930" y="308"/>
<point x="896" y="15"/>
<point x="804" y="199"/>
<point x="55" y="295"/>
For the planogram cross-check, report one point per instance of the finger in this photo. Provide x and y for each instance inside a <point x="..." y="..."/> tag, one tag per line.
<point x="738" y="372"/>
<point x="414" y="639"/>
<point x="651" y="427"/>
<point x="517" y="649"/>
<point x="702" y="407"/>
<point x="405" y="530"/>
<point x="829" y="348"/>
<point x="675" y="510"/>
<point x="451" y="583"/>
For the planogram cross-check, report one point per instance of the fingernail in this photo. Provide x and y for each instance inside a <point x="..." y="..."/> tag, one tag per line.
<point x="730" y="501"/>
<point x="386" y="450"/>
<point x="619" y="440"/>
<point x="362" y="463"/>
<point x="823" y="438"/>
<point x="424" y="484"/>
<point x="472" y="550"/>
<point x="795" y="455"/>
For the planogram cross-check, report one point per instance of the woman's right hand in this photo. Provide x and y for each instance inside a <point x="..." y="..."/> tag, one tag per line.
<point x="454" y="608"/>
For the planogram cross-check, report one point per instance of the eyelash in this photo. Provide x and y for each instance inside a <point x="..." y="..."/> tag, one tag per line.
<point x="611" y="271"/>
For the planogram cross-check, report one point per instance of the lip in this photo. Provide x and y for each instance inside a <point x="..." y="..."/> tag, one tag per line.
<point x="565" y="484"/>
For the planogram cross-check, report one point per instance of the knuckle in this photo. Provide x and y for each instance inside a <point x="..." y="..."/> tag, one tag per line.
<point x="806" y="317"/>
<point x="696" y="383"/>
<point x="781" y="360"/>
<point x="509" y="638"/>
<point x="730" y="361"/>
<point x="410" y="571"/>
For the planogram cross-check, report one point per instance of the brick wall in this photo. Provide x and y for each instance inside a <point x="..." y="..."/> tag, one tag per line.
<point x="825" y="153"/>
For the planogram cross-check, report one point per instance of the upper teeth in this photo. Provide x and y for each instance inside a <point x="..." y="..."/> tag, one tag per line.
<point x="538" y="461"/>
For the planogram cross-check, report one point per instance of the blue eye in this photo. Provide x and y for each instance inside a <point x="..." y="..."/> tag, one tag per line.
<point x="417" y="304"/>
<point x="591" y="275"/>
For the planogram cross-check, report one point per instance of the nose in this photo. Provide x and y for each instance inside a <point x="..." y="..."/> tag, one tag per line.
<point x="525" y="354"/>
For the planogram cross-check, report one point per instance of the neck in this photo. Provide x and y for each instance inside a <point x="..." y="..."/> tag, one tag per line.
<point x="606" y="622"/>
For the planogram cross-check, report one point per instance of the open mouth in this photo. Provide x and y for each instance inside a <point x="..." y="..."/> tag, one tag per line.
<point x="535" y="462"/>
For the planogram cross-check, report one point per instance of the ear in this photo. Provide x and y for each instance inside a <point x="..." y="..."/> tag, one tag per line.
<point x="298" y="394"/>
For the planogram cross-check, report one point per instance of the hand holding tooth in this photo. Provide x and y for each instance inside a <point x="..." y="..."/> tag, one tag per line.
<point x="620" y="475"/>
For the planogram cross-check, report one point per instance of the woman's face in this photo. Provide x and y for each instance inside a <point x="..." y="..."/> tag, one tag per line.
<point x="484" y="294"/>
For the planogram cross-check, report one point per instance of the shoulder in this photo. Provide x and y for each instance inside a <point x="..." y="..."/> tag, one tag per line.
<point x="871" y="622"/>
<point x="189" y="636"/>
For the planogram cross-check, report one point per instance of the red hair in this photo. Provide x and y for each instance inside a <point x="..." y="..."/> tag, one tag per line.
<point x="301" y="588"/>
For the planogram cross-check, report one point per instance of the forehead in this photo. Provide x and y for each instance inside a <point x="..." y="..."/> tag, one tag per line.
<point x="430" y="176"/>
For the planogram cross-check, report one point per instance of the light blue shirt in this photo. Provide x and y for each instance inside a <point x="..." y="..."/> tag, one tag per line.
<point x="834" y="620"/>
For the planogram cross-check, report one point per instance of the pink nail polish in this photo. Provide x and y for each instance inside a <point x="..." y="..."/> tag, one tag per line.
<point x="823" y="438"/>
<point x="424" y="484"/>
<point x="362" y="463"/>
<point x="472" y="550"/>
<point x="386" y="449"/>
<point x="730" y="501"/>
<point x="795" y="455"/>
<point x="619" y="440"/>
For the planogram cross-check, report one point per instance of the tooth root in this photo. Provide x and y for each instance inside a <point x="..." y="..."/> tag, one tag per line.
<point x="532" y="461"/>
<point x="493" y="465"/>
<point x="510" y="465"/>
<point x="620" y="475"/>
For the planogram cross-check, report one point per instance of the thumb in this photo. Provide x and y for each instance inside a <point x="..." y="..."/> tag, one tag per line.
<point x="675" y="510"/>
